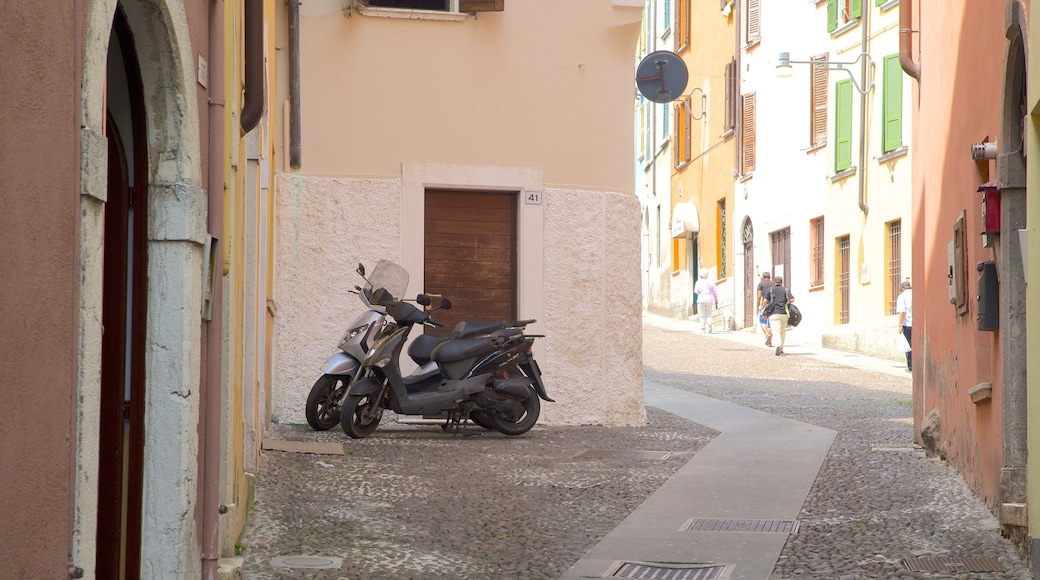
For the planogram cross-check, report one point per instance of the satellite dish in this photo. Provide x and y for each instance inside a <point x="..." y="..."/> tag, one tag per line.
<point x="662" y="76"/>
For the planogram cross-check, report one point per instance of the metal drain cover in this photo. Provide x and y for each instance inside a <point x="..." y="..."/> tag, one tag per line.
<point x="623" y="454"/>
<point x="308" y="562"/>
<point x="757" y="526"/>
<point x="667" y="572"/>
<point x="953" y="565"/>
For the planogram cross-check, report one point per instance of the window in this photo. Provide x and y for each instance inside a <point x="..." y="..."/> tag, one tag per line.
<point x="892" y="105"/>
<point x="754" y="25"/>
<point x="816" y="269"/>
<point x="683" y="132"/>
<point x="844" y="266"/>
<point x="780" y="245"/>
<point x="818" y="90"/>
<point x="842" y="12"/>
<point x="894" y="254"/>
<point x="747" y="146"/>
<point x="666" y="14"/>
<point x="439" y="5"/>
<point x="842" y="125"/>
<point x="720" y="227"/>
<point x="731" y="95"/>
<point x="682" y="25"/>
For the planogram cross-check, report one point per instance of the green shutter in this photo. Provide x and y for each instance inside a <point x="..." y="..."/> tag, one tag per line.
<point x="892" y="105"/>
<point x="880" y="2"/>
<point x="832" y="15"/>
<point x="843" y="125"/>
<point x="855" y="10"/>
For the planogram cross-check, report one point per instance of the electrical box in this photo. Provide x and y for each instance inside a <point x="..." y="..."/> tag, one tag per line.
<point x="990" y="208"/>
<point x="988" y="296"/>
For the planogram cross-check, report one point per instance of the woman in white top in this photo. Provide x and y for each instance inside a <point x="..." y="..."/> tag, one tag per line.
<point x="905" y="308"/>
<point x="706" y="299"/>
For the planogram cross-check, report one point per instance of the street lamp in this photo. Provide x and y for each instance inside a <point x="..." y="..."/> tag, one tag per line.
<point x="783" y="67"/>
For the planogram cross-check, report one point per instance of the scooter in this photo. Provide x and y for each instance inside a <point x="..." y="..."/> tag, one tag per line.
<point x="387" y="282"/>
<point x="492" y="380"/>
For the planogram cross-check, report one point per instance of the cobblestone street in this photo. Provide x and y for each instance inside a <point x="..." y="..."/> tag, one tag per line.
<point x="416" y="502"/>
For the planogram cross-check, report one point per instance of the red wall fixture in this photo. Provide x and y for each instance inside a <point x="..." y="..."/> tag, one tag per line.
<point x="990" y="208"/>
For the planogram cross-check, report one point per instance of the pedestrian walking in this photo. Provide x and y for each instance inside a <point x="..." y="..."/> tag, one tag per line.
<point x="905" y="307"/>
<point x="706" y="299"/>
<point x="775" y="300"/>
<point x="763" y="285"/>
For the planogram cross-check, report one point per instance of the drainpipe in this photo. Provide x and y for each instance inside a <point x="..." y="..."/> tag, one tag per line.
<point x="906" y="59"/>
<point x="215" y="221"/>
<point x="295" y="149"/>
<point x="862" y="170"/>
<point x="255" y="99"/>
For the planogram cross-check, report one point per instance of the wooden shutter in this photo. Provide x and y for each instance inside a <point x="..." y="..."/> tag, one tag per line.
<point x="682" y="25"/>
<point x="754" y="30"/>
<point x="747" y="148"/>
<point x="843" y="125"/>
<point x="832" y="15"/>
<point x="892" y="105"/>
<point x="855" y="9"/>
<point x="818" y="114"/>
<point x="482" y="5"/>
<point x="687" y="134"/>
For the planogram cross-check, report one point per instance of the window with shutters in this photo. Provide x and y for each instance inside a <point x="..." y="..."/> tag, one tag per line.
<point x="842" y="14"/>
<point x="461" y="6"/>
<point x="892" y="105"/>
<point x="683" y="132"/>
<point x="818" y="112"/>
<point x="842" y="125"/>
<point x="753" y="13"/>
<point x="893" y="257"/>
<point x="731" y="96"/>
<point x="747" y="136"/>
<point x="721" y="241"/>
<point x="682" y="25"/>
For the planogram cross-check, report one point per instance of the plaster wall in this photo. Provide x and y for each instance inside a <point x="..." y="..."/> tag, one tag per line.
<point x="39" y="157"/>
<point x="957" y="103"/>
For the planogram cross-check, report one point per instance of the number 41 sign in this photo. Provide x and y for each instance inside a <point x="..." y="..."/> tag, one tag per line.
<point x="533" y="198"/>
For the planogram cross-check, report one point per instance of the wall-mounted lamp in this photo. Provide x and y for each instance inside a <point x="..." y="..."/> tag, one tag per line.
<point x="783" y="67"/>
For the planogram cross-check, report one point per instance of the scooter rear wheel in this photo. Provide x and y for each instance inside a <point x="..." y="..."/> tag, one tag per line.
<point x="360" y="415"/>
<point x="323" y="402"/>
<point x="521" y="421"/>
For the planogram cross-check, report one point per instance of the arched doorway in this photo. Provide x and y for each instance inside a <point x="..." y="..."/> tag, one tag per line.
<point x="747" y="233"/>
<point x="124" y="307"/>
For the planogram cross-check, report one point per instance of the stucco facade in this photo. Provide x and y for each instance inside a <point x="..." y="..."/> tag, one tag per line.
<point x="468" y="102"/>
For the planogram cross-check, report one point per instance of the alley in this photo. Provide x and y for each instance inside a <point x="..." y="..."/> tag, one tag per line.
<point x="414" y="502"/>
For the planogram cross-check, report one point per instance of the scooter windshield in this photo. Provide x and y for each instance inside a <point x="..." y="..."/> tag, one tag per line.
<point x="388" y="281"/>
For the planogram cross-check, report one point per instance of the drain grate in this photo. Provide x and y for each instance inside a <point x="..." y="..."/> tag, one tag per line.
<point x="720" y="525"/>
<point x="611" y="454"/>
<point x="308" y="562"/>
<point x="666" y="572"/>
<point x="953" y="565"/>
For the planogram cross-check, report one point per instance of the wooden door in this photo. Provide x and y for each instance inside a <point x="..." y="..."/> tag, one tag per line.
<point x="124" y="307"/>
<point x="470" y="254"/>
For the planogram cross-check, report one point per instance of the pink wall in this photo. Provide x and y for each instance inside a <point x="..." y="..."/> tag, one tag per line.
<point x="39" y="163"/>
<point x="957" y="103"/>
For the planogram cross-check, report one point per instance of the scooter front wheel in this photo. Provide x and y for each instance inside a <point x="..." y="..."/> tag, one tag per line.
<point x="323" y="403"/>
<point x="360" y="415"/>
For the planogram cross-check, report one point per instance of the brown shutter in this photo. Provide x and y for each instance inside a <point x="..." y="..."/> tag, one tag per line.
<point x="688" y="132"/>
<point x="748" y="135"/>
<point x="753" y="28"/>
<point x="482" y="5"/>
<point x="731" y="96"/>
<point x="818" y="119"/>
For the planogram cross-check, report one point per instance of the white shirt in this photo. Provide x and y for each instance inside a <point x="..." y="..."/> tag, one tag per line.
<point x="905" y="304"/>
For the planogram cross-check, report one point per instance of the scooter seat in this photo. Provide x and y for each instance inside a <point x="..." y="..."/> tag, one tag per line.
<point x="455" y="350"/>
<point x="468" y="328"/>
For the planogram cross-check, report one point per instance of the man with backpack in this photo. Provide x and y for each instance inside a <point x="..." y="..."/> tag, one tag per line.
<point x="774" y="302"/>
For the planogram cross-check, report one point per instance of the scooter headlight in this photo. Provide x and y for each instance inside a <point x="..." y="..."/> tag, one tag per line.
<point x="352" y="333"/>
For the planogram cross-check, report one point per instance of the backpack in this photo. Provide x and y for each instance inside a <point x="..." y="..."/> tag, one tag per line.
<point x="794" y="316"/>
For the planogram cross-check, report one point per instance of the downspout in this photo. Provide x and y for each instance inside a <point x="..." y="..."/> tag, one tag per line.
<point x="215" y="221"/>
<point x="295" y="148"/>
<point x="862" y="170"/>
<point x="254" y="102"/>
<point x="906" y="59"/>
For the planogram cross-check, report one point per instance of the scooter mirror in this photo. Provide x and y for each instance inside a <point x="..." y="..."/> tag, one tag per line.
<point x="423" y="299"/>
<point x="445" y="304"/>
<point x="361" y="269"/>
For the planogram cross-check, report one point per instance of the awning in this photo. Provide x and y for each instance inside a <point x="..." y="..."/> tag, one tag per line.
<point x="685" y="219"/>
